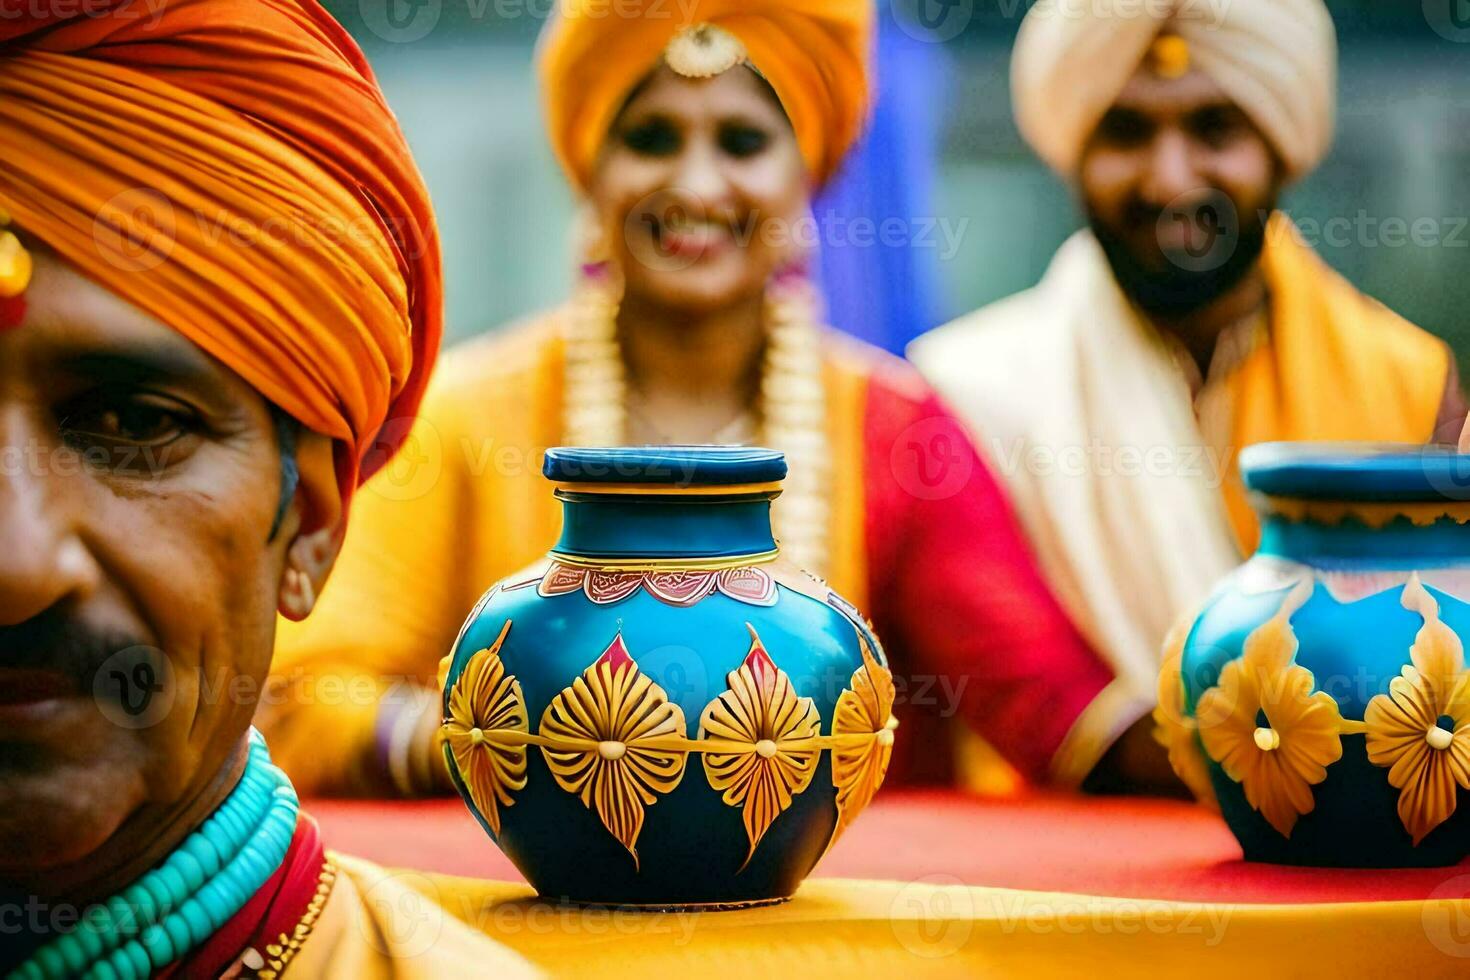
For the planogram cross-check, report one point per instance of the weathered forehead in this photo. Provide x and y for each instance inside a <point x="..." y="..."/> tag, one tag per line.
<point x="69" y="323"/>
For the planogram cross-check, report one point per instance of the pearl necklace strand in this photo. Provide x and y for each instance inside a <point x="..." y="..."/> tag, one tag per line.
<point x="791" y="407"/>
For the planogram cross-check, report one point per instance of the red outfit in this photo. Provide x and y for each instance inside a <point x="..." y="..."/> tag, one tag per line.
<point x="956" y="597"/>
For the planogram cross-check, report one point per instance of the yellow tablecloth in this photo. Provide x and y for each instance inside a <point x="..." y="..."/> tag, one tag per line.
<point x="933" y="927"/>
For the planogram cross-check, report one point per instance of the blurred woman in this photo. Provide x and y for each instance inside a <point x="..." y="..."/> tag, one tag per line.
<point x="696" y="151"/>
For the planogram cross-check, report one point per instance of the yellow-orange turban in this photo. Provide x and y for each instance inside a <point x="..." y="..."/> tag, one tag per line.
<point x="815" y="54"/>
<point x="1277" y="59"/>
<point x="230" y="168"/>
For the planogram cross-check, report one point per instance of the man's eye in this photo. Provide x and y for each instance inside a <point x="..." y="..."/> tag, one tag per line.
<point x="114" y="421"/>
<point x="1120" y="128"/>
<point x="743" y="141"/>
<point x="1216" y="126"/>
<point x="657" y="137"/>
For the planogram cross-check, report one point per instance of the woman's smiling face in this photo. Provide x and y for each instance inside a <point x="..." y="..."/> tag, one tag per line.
<point x="698" y="190"/>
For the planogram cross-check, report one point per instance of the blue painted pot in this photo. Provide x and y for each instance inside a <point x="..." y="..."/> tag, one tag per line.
<point x="663" y="712"/>
<point x="1321" y="696"/>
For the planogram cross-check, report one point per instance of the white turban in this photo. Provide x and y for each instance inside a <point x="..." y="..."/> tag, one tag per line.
<point x="1277" y="59"/>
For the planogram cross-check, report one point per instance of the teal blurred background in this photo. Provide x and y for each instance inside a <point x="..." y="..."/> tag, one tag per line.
<point x="459" y="74"/>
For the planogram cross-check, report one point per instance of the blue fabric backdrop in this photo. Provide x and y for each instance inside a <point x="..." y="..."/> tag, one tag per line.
<point x="886" y="288"/>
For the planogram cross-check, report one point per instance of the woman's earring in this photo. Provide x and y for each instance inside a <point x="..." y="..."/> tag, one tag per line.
<point x="590" y="238"/>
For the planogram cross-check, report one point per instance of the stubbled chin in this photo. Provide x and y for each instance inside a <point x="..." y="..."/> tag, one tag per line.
<point x="54" y="819"/>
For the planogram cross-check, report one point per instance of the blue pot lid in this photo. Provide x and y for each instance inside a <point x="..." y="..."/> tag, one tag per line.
<point x="1357" y="471"/>
<point x="672" y="466"/>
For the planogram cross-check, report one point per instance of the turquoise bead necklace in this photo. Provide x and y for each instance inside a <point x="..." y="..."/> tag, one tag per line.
<point x="178" y="905"/>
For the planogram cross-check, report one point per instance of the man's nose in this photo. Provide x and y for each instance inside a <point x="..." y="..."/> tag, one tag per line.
<point x="43" y="560"/>
<point x="1171" y="172"/>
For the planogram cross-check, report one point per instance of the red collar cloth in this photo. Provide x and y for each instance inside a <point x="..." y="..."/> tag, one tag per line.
<point x="273" y="912"/>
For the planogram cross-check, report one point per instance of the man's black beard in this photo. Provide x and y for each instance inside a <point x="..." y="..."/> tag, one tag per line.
<point x="1178" y="290"/>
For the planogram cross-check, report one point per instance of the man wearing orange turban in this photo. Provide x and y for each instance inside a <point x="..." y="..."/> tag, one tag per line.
<point x="695" y="134"/>
<point x="219" y="287"/>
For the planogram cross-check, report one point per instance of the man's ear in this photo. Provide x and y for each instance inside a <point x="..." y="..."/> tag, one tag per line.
<point x="318" y="525"/>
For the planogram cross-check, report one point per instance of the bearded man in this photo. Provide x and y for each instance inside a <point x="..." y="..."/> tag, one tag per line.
<point x="1188" y="320"/>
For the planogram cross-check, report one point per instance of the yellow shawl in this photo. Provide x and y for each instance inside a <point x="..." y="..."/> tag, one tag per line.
<point x="1339" y="366"/>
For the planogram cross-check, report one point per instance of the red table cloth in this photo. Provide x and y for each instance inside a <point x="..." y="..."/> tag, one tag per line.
<point x="1126" y="848"/>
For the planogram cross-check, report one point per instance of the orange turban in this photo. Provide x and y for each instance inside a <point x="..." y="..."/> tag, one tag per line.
<point x="230" y="167"/>
<point x="813" y="52"/>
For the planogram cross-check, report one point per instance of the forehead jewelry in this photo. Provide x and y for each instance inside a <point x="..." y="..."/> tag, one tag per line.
<point x="1169" y="57"/>
<point x="704" y="51"/>
<point x="15" y="275"/>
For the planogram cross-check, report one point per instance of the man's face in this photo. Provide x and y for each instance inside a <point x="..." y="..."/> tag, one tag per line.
<point x="1177" y="183"/>
<point x="139" y="481"/>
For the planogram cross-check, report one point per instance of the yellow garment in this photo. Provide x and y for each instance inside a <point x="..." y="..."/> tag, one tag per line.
<point x="463" y="506"/>
<point x="813" y="52"/>
<point x="1276" y="59"/>
<point x="1339" y="366"/>
<point x="378" y="925"/>
<point x="930" y="928"/>
<point x="1083" y="408"/>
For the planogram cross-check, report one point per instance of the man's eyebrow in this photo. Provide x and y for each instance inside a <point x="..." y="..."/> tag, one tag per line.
<point x="1216" y="105"/>
<point x="138" y="363"/>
